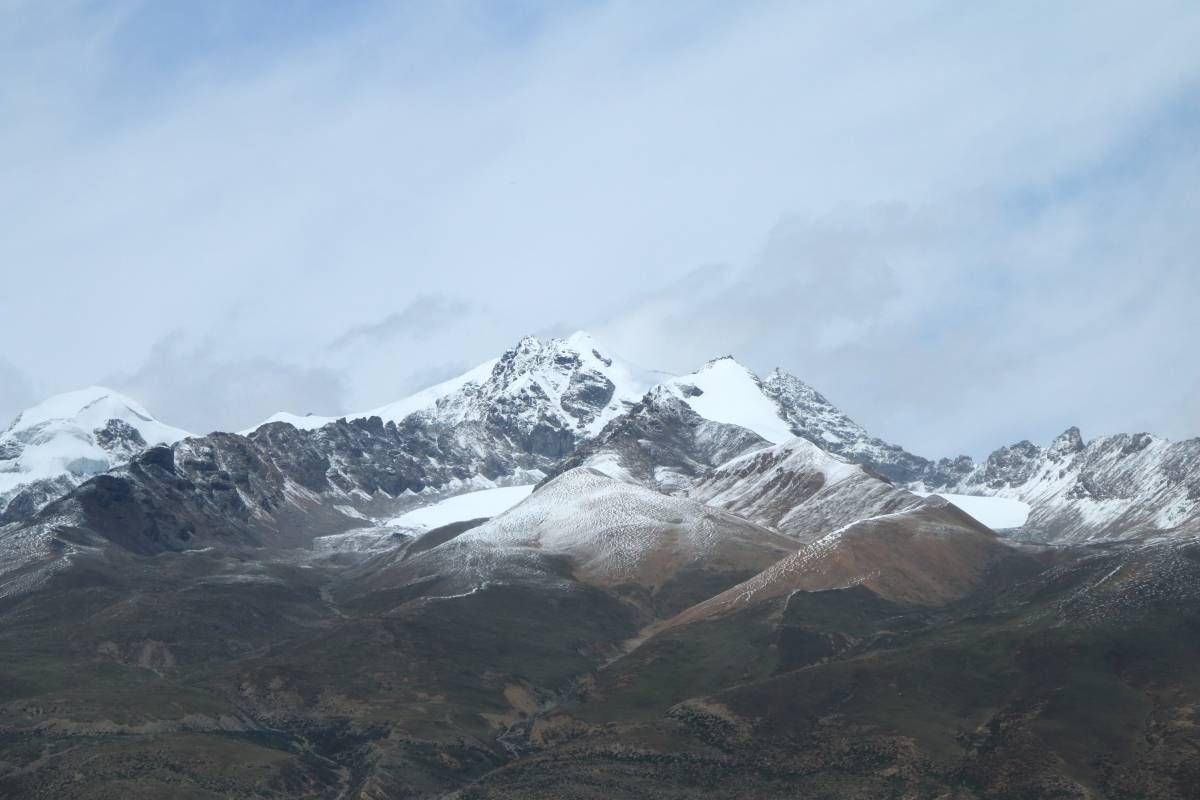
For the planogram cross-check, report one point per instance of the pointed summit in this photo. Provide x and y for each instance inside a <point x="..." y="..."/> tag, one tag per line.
<point x="1066" y="443"/>
<point x="547" y="393"/>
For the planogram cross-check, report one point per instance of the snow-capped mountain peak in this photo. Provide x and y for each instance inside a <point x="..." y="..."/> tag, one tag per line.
<point x="86" y="410"/>
<point x="66" y="438"/>
<point x="552" y="389"/>
<point x="1066" y="444"/>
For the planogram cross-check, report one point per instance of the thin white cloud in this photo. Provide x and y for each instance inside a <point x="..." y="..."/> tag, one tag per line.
<point x="184" y="385"/>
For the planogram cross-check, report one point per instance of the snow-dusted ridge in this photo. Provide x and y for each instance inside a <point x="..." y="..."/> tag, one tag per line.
<point x="572" y="384"/>
<point x="574" y="381"/>
<point x="725" y="391"/>
<point x="390" y="412"/>
<point x="1119" y="486"/>
<point x="615" y="531"/>
<point x="564" y="391"/>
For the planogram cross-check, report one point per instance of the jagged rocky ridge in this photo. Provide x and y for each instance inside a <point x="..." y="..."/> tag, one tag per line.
<point x="552" y="405"/>
<point x="1122" y="486"/>
<point x="279" y="486"/>
<point x="285" y="486"/>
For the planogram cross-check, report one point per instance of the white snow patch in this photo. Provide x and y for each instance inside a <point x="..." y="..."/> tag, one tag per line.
<point x="731" y="394"/>
<point x="998" y="513"/>
<point x="472" y="505"/>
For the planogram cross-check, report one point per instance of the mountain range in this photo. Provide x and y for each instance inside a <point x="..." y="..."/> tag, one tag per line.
<point x="560" y="574"/>
<point x="551" y="404"/>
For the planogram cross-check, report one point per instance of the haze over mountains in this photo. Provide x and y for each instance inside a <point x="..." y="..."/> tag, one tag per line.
<point x="564" y="575"/>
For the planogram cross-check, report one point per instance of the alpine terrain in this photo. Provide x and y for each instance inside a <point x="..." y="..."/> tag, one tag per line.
<point x="562" y="575"/>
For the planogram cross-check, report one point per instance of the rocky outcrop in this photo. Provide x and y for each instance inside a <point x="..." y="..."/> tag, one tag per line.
<point x="662" y="443"/>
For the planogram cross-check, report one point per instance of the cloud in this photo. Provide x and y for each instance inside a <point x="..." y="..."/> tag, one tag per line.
<point x="963" y="327"/>
<point x="875" y="180"/>
<point x="183" y="384"/>
<point x="419" y="320"/>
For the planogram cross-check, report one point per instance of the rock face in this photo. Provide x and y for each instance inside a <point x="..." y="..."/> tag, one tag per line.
<point x="55" y="445"/>
<point x="277" y="487"/>
<point x="1122" y="486"/>
<point x="546" y="396"/>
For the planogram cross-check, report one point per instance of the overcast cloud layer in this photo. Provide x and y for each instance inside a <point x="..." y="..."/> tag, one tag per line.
<point x="965" y="226"/>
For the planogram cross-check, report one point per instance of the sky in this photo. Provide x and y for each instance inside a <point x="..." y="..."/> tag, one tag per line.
<point x="965" y="223"/>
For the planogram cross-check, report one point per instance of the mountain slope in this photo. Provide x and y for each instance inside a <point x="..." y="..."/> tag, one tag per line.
<point x="665" y="552"/>
<point x="1074" y="680"/>
<point x="67" y="438"/>
<point x="799" y="489"/>
<point x="280" y="487"/>
<point x="927" y="555"/>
